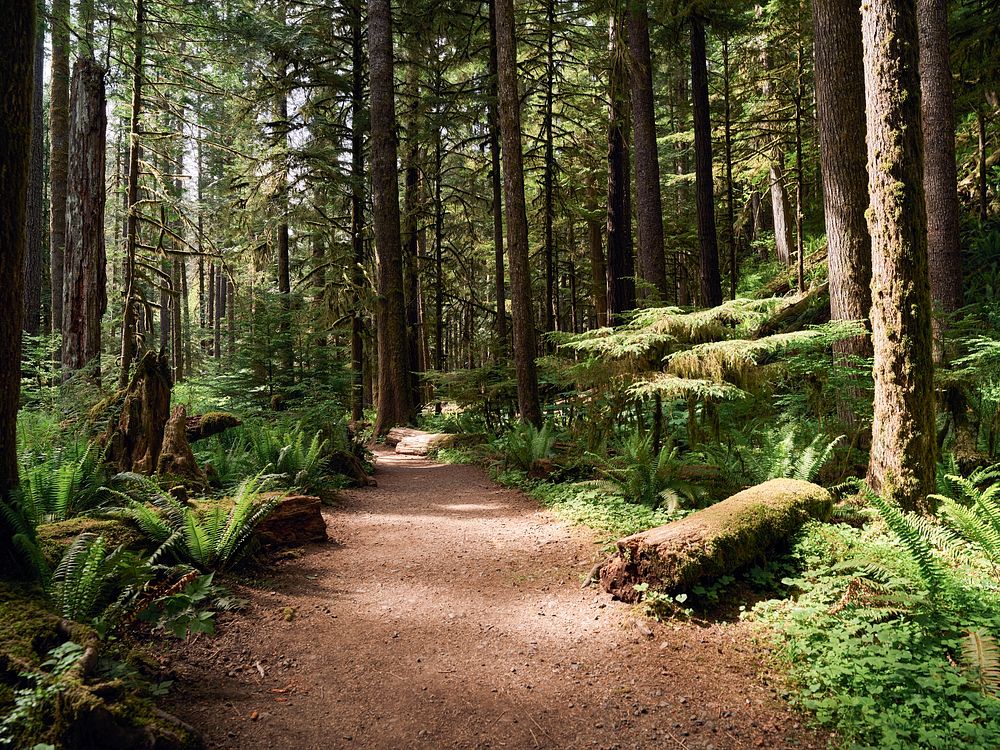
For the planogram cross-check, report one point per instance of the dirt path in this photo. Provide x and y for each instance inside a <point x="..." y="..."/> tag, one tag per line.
<point x="449" y="614"/>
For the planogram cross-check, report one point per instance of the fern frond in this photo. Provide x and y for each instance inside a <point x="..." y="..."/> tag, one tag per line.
<point x="981" y="655"/>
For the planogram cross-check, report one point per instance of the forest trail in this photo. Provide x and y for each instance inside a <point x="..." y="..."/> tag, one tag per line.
<point x="448" y="613"/>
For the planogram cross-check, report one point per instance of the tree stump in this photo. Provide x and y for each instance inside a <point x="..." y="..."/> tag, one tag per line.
<point x="133" y="439"/>
<point x="715" y="541"/>
<point x="177" y="463"/>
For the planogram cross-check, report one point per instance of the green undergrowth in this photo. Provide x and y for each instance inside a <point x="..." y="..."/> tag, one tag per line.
<point x="583" y="503"/>
<point x="877" y="656"/>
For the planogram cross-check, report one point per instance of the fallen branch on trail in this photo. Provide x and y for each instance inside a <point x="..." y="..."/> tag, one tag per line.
<point x="715" y="541"/>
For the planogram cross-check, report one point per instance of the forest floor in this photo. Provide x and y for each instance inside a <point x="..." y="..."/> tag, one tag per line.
<point x="447" y="613"/>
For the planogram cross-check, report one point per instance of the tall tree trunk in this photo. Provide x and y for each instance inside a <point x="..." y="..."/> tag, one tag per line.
<point x="840" y="111"/>
<point x="496" y="183"/>
<point x="176" y="319"/>
<point x="944" y="252"/>
<point x="395" y="405"/>
<point x="903" y="429"/>
<point x="781" y="211"/>
<point x="58" y="154"/>
<point x="711" y="281"/>
<point x="411" y="277"/>
<point x="84" y="281"/>
<point x="621" y="264"/>
<point x="281" y="137"/>
<point x="730" y="208"/>
<point x="132" y="222"/>
<point x="35" y="231"/>
<point x="17" y="40"/>
<point x="357" y="209"/>
<point x="549" y="314"/>
<point x="649" y="204"/>
<point x="598" y="272"/>
<point x="517" y="222"/>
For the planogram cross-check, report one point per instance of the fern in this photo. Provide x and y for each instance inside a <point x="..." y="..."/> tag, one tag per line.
<point x="63" y="487"/>
<point x="780" y="456"/>
<point x="85" y="577"/>
<point x="981" y="655"/>
<point x="912" y="536"/>
<point x="209" y="540"/>
<point x="525" y="444"/>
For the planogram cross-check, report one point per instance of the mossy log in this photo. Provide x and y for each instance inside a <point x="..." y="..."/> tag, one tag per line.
<point x="715" y="541"/>
<point x="426" y="443"/>
<point x="202" y="426"/>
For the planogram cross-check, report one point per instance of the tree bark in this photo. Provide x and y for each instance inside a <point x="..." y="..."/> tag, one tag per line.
<point x="781" y="212"/>
<point x="412" y="201"/>
<point x="598" y="272"/>
<point x="728" y="136"/>
<point x="395" y="406"/>
<point x="35" y="218"/>
<point x="132" y="223"/>
<point x="903" y="428"/>
<point x="649" y="204"/>
<point x="621" y="264"/>
<point x="937" y="115"/>
<point x="711" y="281"/>
<point x="58" y="154"/>
<point x="517" y="223"/>
<point x="496" y="184"/>
<point x="840" y="111"/>
<point x="84" y="281"/>
<point x="550" y="315"/>
<point x="357" y="209"/>
<point x="17" y="40"/>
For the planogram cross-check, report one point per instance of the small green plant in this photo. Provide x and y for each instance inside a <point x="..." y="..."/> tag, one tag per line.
<point x="87" y="577"/>
<point x="65" y="486"/>
<point x="782" y="454"/>
<point x="526" y="444"/>
<point x="32" y="703"/>
<point x="213" y="539"/>
<point x="190" y="608"/>
<point x="651" y="478"/>
<point x="287" y="454"/>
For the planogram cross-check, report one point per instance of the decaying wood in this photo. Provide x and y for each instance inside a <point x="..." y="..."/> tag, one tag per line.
<point x="202" y="426"/>
<point x="134" y="437"/>
<point x="715" y="541"/>
<point x="176" y="462"/>
<point x="297" y="519"/>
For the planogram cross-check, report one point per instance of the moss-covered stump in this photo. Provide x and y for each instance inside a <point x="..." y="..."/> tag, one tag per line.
<point x="297" y="519"/>
<point x="76" y="708"/>
<point x="427" y="443"/>
<point x="135" y="431"/>
<point x="176" y="462"/>
<point x="715" y="541"/>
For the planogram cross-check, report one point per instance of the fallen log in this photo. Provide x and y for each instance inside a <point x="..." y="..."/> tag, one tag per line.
<point x="295" y="520"/>
<point x="715" y="541"/>
<point x="201" y="426"/>
<point x="396" y="434"/>
<point x="428" y="442"/>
